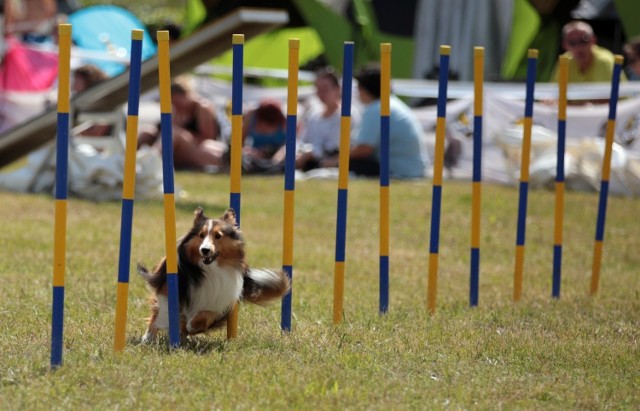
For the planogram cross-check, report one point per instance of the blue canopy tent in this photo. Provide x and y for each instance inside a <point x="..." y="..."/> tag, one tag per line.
<point x="107" y="29"/>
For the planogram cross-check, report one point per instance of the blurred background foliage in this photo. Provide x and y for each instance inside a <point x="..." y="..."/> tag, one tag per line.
<point x="153" y="13"/>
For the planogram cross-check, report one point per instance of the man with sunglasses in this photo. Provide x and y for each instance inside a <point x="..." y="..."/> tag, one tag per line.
<point x="588" y="62"/>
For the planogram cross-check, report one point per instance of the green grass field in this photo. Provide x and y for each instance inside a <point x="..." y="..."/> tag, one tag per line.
<point x="578" y="352"/>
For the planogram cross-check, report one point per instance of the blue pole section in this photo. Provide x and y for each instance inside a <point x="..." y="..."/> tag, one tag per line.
<point x="524" y="175"/>
<point x="128" y="189"/>
<point x="236" y="113"/>
<point x="476" y="187"/>
<point x="438" y="162"/>
<point x="563" y="79"/>
<point x="60" y="225"/>
<point x="343" y="182"/>
<point x="385" y="113"/>
<point x="606" y="172"/>
<point x="289" y="180"/>
<point x="164" y="79"/>
<point x="237" y="42"/>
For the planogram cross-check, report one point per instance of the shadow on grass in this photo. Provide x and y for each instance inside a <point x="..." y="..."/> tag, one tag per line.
<point x="196" y="345"/>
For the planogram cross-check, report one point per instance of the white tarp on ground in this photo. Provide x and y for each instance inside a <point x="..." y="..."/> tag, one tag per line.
<point x="502" y="142"/>
<point x="93" y="174"/>
<point x="99" y="175"/>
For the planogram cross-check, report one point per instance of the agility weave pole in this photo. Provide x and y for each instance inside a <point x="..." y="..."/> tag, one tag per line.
<point x="164" y="75"/>
<point x="289" y="179"/>
<point x="385" y="112"/>
<point x="343" y="181"/>
<point x="235" y="173"/>
<point x="606" y="174"/>
<point x="563" y="79"/>
<point x="436" y="200"/>
<point x="128" y="190"/>
<point x="476" y="182"/>
<point x="532" y="60"/>
<point x="62" y="166"/>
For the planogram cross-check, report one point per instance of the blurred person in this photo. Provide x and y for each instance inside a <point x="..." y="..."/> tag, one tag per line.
<point x="407" y="153"/>
<point x="263" y="137"/>
<point x="632" y="52"/>
<point x="320" y="132"/>
<point x="85" y="77"/>
<point x="588" y="62"/>
<point x="195" y="130"/>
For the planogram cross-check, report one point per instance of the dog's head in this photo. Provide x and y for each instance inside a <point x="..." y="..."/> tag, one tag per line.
<point x="212" y="239"/>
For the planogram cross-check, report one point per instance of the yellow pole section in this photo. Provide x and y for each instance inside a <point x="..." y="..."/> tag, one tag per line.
<point x="385" y="78"/>
<point x="64" y="56"/>
<point x="237" y="41"/>
<point x="338" y="292"/>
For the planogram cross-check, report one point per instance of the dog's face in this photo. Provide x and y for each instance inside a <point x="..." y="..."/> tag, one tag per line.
<point x="214" y="239"/>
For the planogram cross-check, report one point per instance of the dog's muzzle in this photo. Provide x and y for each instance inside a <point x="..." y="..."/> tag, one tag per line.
<point x="207" y="256"/>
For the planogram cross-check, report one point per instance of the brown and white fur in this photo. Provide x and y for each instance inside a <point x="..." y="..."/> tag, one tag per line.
<point x="213" y="275"/>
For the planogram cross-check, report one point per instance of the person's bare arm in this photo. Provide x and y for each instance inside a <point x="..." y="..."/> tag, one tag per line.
<point x="207" y="129"/>
<point x="245" y="126"/>
<point x="361" y="151"/>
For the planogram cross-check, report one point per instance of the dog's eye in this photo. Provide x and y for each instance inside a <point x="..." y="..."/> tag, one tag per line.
<point x="202" y="235"/>
<point x="218" y="235"/>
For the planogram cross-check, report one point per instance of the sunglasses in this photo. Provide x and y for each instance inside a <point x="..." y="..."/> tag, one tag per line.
<point x="583" y="40"/>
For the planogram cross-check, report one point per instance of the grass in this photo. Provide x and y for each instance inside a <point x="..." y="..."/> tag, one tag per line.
<point x="578" y="352"/>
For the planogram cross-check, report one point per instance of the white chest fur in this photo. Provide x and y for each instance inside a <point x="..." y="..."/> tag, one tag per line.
<point x="220" y="289"/>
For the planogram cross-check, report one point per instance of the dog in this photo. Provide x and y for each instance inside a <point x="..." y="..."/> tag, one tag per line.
<point x="213" y="275"/>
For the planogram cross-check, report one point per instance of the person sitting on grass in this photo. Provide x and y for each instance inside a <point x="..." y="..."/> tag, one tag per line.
<point x="196" y="143"/>
<point x="319" y="137"/>
<point x="407" y="153"/>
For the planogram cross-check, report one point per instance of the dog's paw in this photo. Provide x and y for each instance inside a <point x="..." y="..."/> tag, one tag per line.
<point x="148" y="338"/>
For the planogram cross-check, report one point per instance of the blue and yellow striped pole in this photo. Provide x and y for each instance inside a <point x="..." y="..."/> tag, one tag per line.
<point x="476" y="182"/>
<point x="385" y="112"/>
<point x="62" y="164"/>
<point x="606" y="173"/>
<point x="343" y="182"/>
<point x="235" y="173"/>
<point x="169" y="191"/>
<point x="438" y="161"/>
<point x="563" y="79"/>
<point x="289" y="179"/>
<point x="128" y="190"/>
<point x="524" y="174"/>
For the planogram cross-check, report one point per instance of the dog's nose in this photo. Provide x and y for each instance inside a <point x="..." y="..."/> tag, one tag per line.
<point x="205" y="250"/>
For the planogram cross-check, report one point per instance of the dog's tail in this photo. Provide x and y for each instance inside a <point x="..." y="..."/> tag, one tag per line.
<point x="263" y="286"/>
<point x="155" y="278"/>
<point x="144" y="271"/>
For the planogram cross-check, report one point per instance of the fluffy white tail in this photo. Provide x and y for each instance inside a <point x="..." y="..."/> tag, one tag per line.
<point x="262" y="286"/>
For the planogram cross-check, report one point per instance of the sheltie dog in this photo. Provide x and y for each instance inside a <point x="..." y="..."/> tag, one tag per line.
<point x="213" y="275"/>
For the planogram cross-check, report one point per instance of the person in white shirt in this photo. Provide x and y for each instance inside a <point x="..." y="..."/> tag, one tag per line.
<point x="320" y="133"/>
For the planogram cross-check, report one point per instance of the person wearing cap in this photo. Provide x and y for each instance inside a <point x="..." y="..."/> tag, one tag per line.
<point x="588" y="62"/>
<point x="407" y="153"/>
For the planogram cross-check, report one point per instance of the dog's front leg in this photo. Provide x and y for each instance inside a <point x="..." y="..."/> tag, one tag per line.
<point x="150" y="335"/>
<point x="152" y="329"/>
<point x="200" y="322"/>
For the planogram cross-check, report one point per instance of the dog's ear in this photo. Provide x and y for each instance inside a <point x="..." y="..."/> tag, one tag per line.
<point x="198" y="216"/>
<point x="230" y="217"/>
